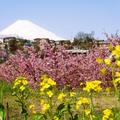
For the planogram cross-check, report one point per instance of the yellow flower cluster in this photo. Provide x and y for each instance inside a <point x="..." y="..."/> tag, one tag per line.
<point x="107" y="61"/>
<point x="44" y="106"/>
<point x="50" y="93"/>
<point x="46" y="83"/>
<point x="117" y="74"/>
<point x="99" y="60"/>
<point x="61" y="96"/>
<point x="117" y="79"/>
<point x="103" y="71"/>
<point x="118" y="63"/>
<point x="93" y="86"/>
<point x="72" y="94"/>
<point x="87" y="112"/>
<point x="20" y="82"/>
<point x="116" y="51"/>
<point x="107" y="114"/>
<point x="32" y="108"/>
<point x="82" y="101"/>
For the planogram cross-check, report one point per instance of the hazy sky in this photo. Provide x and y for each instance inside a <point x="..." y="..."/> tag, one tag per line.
<point x="64" y="17"/>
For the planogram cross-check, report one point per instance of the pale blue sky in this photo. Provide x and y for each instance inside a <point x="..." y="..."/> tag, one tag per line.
<point x="64" y="17"/>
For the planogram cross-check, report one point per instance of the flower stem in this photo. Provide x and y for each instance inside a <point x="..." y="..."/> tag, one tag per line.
<point x="91" y="106"/>
<point x="1" y="92"/>
<point x="113" y="79"/>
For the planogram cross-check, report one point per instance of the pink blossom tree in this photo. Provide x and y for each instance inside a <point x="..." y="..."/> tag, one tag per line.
<point x="62" y="66"/>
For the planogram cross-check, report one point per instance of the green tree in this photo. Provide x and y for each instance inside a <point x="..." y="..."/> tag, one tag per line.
<point x="84" y="40"/>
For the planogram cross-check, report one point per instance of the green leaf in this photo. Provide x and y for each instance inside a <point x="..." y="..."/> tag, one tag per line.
<point x="1" y="107"/>
<point x="61" y="106"/>
<point x="60" y="110"/>
<point x="2" y="112"/>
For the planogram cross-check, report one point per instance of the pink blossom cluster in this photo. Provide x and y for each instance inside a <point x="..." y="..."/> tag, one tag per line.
<point x="65" y="68"/>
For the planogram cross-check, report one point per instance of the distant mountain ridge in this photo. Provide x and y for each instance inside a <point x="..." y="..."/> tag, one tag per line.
<point x="27" y="30"/>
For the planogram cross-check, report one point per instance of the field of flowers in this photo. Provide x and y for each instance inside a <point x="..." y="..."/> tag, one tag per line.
<point x="52" y="84"/>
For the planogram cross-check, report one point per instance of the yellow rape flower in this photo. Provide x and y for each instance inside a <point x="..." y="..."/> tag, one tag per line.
<point x="116" y="51"/>
<point x="32" y="108"/>
<point x="72" y="94"/>
<point x="22" y="88"/>
<point x="117" y="74"/>
<point x="50" y="93"/>
<point x="103" y="71"/>
<point x="99" y="60"/>
<point x="93" y="86"/>
<point x="20" y="81"/>
<point x="61" y="96"/>
<point x="104" y="118"/>
<point x="45" y="86"/>
<point x="46" y="82"/>
<point x="117" y="81"/>
<point x="24" y="82"/>
<point x="107" y="114"/>
<point x="117" y="47"/>
<point x="118" y="63"/>
<point x="16" y="83"/>
<point x="45" y="107"/>
<point x="78" y="105"/>
<point x="87" y="112"/>
<point x="51" y="82"/>
<point x="56" y="118"/>
<point x="107" y="61"/>
<point x="82" y="101"/>
<point x="42" y="101"/>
